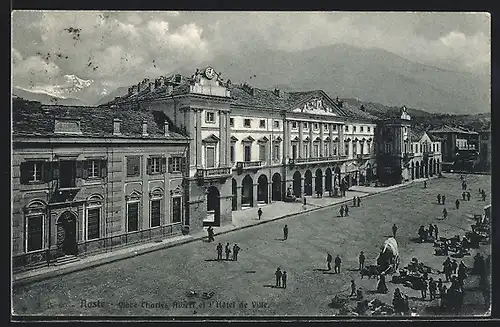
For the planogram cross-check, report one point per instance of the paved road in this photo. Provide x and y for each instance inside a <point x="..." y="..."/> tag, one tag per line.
<point x="157" y="283"/>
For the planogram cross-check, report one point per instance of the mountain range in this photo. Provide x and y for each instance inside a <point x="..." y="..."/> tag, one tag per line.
<point x="369" y="75"/>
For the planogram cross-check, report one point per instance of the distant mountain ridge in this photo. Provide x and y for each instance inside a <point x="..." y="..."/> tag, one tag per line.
<point x="46" y="98"/>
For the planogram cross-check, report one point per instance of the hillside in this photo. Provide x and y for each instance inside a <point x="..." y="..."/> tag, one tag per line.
<point x="46" y="98"/>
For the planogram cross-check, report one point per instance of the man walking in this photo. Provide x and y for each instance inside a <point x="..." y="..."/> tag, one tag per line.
<point x="278" y="277"/>
<point x="354" y="200"/>
<point x="447" y="269"/>
<point x="436" y="232"/>
<point x="285" y="232"/>
<point x="337" y="264"/>
<point x="462" y="275"/>
<point x="219" y="251"/>
<point x="329" y="261"/>
<point x="463" y="196"/>
<point x="283" y="279"/>
<point x="468" y="196"/>
<point x="353" y="288"/>
<point x="236" y="249"/>
<point x="341" y="211"/>
<point x="432" y="289"/>
<point x="423" y="290"/>
<point x="425" y="184"/>
<point x="443" y="198"/>
<point x="483" y="195"/>
<point x="457" y="204"/>
<point x="361" y="261"/>
<point x="346" y="210"/>
<point x="445" y="213"/>
<point x="431" y="230"/>
<point x="439" y="198"/>
<point x="228" y="251"/>
<point x="359" y="201"/>
<point x="259" y="212"/>
<point x="210" y="232"/>
<point x="394" y="230"/>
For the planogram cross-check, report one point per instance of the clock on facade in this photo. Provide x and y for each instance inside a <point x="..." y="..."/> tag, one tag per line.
<point x="209" y="73"/>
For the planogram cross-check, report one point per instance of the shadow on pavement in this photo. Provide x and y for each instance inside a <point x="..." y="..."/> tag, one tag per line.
<point x="216" y="260"/>
<point x="351" y="269"/>
<point x="279" y="239"/>
<point x="329" y="273"/>
<point x="250" y="271"/>
<point x="272" y="286"/>
<point x="320" y="269"/>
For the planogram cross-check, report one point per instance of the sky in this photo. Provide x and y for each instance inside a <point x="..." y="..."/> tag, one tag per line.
<point x="120" y="48"/>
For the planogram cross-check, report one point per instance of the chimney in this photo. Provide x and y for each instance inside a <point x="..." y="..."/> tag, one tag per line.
<point x="165" y="127"/>
<point x="144" y="128"/>
<point x="116" y="126"/>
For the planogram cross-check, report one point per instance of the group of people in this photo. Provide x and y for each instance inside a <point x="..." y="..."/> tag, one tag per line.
<point x="425" y="234"/>
<point x="337" y="263"/>
<point x="280" y="278"/>
<point x="344" y="209"/>
<point x="227" y="250"/>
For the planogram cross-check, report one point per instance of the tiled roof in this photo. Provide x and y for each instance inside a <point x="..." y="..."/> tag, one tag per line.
<point x="435" y="138"/>
<point x="261" y="98"/>
<point x="33" y="118"/>
<point x="452" y="129"/>
<point x="355" y="112"/>
<point x="416" y="135"/>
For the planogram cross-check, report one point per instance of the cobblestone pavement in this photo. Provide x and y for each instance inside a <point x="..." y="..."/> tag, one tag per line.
<point x="157" y="283"/>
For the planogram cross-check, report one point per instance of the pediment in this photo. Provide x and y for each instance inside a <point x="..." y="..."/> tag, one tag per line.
<point x="318" y="104"/>
<point x="263" y="139"/>
<point x="211" y="139"/>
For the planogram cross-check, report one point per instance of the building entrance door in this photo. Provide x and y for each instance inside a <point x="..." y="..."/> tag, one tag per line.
<point x="66" y="233"/>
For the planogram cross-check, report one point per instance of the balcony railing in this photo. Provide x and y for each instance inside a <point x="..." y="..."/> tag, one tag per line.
<point x="315" y="159"/>
<point x="213" y="172"/>
<point x="250" y="164"/>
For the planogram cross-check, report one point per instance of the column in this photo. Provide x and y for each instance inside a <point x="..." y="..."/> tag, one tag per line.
<point x="302" y="182"/>
<point x="199" y="163"/>
<point x="321" y="142"/>
<point x="228" y="140"/>
<point x="239" y="197"/>
<point x="301" y="140"/>
<point x="330" y="134"/>
<point x="313" y="184"/>
<point x="254" y="201"/>
<point x="311" y="142"/>
<point x="269" y="192"/>
<point x="286" y="141"/>
<point x="341" y="138"/>
<point x="222" y="136"/>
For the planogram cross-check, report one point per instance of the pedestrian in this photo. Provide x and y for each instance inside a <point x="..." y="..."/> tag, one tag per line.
<point x="483" y="196"/>
<point x="228" y="251"/>
<point x="439" y="198"/>
<point x="443" y="198"/>
<point x="341" y="211"/>
<point x="462" y="275"/>
<point x="278" y="277"/>
<point x="338" y="261"/>
<point x="236" y="249"/>
<point x="423" y="289"/>
<point x="346" y="210"/>
<point x="285" y="232"/>
<point x="359" y="201"/>
<point x="361" y="261"/>
<point x="432" y="289"/>
<point x="445" y="213"/>
<point x="305" y="201"/>
<point x="468" y="196"/>
<point x="454" y="266"/>
<point x="436" y="231"/>
<point x="210" y="232"/>
<point x="431" y="230"/>
<point x="259" y="212"/>
<point x="283" y="279"/>
<point x="457" y="204"/>
<point x="353" y="288"/>
<point x="219" y="251"/>
<point x="465" y="185"/>
<point x="329" y="261"/>
<point x="354" y="200"/>
<point x="463" y="196"/>
<point x="447" y="269"/>
<point x="394" y="230"/>
<point x="425" y="184"/>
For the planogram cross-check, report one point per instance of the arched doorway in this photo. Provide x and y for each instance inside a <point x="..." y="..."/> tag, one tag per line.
<point x="438" y="168"/>
<point x="422" y="170"/>
<point x="213" y="204"/>
<point x="297" y="184"/>
<point x="412" y="170"/>
<point x="328" y="180"/>
<point x="66" y="233"/>
<point x="235" y="195"/>
<point x="308" y="190"/>
<point x="417" y="170"/>
<point x="247" y="191"/>
<point x="368" y="172"/>
<point x="276" y="187"/>
<point x="262" y="189"/>
<point x="319" y="181"/>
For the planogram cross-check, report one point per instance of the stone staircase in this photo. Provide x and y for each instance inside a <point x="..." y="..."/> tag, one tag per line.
<point x="65" y="260"/>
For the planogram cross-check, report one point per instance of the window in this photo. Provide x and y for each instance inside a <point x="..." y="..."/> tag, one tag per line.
<point x="133" y="166"/>
<point x="404" y="130"/>
<point x="156" y="165"/>
<point x="361" y="129"/>
<point x="176" y="209"/>
<point x="34" y="232"/>
<point x="334" y="127"/>
<point x="262" y="123"/>
<point x="176" y="164"/>
<point x="305" y="125"/>
<point x="294" y="151"/>
<point x="231" y="122"/>
<point x="316" y="150"/>
<point x="232" y="153"/>
<point x="354" y="148"/>
<point x="346" y="128"/>
<point x="294" y="125"/>
<point x="335" y="148"/>
<point x="412" y="148"/>
<point x="32" y="172"/>
<point x="246" y="123"/>
<point x="262" y="152"/>
<point x="93" y="218"/>
<point x="133" y="217"/>
<point x="325" y="127"/>
<point x="155" y="213"/>
<point x="93" y="168"/>
<point x="326" y="150"/>
<point x="210" y="117"/>
<point x="437" y="147"/>
<point x="276" y="152"/>
<point x="247" y="149"/>
<point x="316" y="126"/>
<point x="420" y="148"/>
<point x="276" y="124"/>
<point x="368" y="128"/>
<point x="306" y="150"/>
<point x="210" y="156"/>
<point x="354" y="128"/>
<point x="346" y="148"/>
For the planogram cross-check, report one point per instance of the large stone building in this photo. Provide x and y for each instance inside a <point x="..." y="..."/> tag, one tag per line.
<point x="86" y="180"/>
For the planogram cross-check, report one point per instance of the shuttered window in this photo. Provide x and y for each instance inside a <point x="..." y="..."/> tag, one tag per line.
<point x="210" y="159"/>
<point x="133" y="166"/>
<point x="262" y="152"/>
<point x="34" y="231"/>
<point x="247" y="152"/>
<point x="155" y="213"/>
<point x="34" y="172"/>
<point x="133" y="217"/>
<point x="93" y="222"/>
